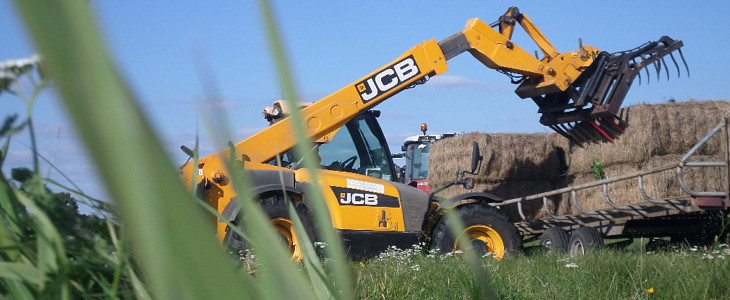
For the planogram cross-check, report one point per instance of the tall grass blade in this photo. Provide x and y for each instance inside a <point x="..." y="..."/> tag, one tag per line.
<point x="18" y="290"/>
<point x="21" y="272"/>
<point x="315" y="270"/>
<point x="51" y="252"/>
<point x="334" y="247"/>
<point x="456" y="225"/>
<point x="273" y="259"/>
<point x="10" y="217"/>
<point x="178" y="254"/>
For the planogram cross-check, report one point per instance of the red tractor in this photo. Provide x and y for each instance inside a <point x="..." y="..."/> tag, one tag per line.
<point x="415" y="152"/>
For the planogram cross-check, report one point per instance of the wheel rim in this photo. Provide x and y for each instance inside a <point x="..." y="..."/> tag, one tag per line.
<point x="486" y="238"/>
<point x="577" y="249"/>
<point x="285" y="228"/>
<point x="547" y="245"/>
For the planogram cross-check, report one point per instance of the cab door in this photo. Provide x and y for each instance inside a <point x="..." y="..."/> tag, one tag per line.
<point x="359" y="172"/>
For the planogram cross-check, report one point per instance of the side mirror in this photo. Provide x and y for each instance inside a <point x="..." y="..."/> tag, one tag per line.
<point x="476" y="158"/>
<point x="189" y="152"/>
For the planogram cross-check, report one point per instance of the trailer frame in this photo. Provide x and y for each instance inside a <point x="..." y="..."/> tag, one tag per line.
<point x="703" y="212"/>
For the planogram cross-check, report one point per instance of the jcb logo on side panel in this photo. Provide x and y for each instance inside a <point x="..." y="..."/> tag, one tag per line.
<point x="359" y="199"/>
<point x="347" y="196"/>
<point x="385" y="80"/>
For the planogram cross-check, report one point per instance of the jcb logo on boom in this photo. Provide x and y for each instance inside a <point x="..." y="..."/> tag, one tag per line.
<point x="359" y="199"/>
<point x="387" y="79"/>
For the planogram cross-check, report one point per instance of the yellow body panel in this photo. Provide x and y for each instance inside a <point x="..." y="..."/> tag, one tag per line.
<point x="358" y="217"/>
<point x="496" y="51"/>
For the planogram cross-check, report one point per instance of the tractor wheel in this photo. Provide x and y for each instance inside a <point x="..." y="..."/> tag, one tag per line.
<point x="554" y="240"/>
<point x="488" y="230"/>
<point x="584" y="239"/>
<point x="276" y="208"/>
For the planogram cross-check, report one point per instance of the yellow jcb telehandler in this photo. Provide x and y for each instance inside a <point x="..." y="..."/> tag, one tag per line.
<point x="578" y="93"/>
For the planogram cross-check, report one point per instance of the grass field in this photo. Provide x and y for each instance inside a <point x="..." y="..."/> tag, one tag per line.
<point x="689" y="273"/>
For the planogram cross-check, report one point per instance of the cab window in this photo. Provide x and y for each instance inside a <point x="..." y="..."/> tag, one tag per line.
<point x="358" y="147"/>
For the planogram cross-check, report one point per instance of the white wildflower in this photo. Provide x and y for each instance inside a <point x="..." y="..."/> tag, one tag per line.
<point x="571" y="266"/>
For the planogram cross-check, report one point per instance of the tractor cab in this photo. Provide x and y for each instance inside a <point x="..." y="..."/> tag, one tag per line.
<point x="416" y="150"/>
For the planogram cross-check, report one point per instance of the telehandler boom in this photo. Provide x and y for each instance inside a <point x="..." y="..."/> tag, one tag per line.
<point x="578" y="94"/>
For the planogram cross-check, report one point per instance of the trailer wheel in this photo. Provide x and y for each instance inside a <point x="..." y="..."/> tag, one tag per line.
<point x="488" y="230"/>
<point x="584" y="239"/>
<point x="554" y="240"/>
<point x="276" y="208"/>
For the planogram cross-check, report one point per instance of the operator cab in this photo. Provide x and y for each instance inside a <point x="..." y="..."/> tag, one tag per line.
<point x="358" y="147"/>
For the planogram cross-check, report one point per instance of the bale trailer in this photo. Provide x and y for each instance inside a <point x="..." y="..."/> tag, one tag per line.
<point x="698" y="216"/>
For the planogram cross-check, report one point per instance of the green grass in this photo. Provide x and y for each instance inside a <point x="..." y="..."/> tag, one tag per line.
<point x="607" y="274"/>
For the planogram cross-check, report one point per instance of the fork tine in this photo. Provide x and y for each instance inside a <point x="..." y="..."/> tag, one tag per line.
<point x="683" y="60"/>
<point x="666" y="69"/>
<point x="648" y="77"/>
<point x="675" y="64"/>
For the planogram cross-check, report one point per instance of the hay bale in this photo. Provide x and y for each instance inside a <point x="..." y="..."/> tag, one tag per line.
<point x="518" y="165"/>
<point x="662" y="186"/>
<point x="655" y="130"/>
<point x="523" y="157"/>
<point x="450" y="155"/>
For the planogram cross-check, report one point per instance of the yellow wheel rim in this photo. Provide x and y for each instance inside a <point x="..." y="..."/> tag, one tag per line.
<point x="491" y="240"/>
<point x="285" y="228"/>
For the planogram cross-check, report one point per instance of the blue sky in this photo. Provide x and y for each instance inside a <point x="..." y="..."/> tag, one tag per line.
<point x="158" y="47"/>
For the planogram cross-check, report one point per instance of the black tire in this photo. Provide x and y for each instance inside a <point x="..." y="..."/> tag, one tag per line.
<point x="276" y="208"/>
<point x="584" y="239"/>
<point x="490" y="231"/>
<point x="554" y="240"/>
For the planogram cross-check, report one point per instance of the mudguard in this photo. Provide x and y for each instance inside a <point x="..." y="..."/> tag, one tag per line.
<point x="471" y="198"/>
<point x="262" y="182"/>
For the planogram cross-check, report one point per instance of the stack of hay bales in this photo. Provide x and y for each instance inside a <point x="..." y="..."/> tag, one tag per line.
<point x="518" y="165"/>
<point x="514" y="165"/>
